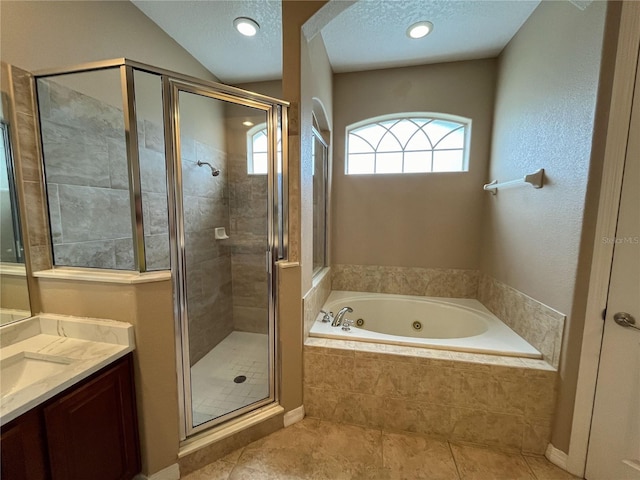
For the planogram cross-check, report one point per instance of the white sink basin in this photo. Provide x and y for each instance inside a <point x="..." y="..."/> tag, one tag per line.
<point x="26" y="368"/>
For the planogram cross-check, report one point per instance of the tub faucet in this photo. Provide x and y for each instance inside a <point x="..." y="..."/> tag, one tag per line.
<point x="337" y="320"/>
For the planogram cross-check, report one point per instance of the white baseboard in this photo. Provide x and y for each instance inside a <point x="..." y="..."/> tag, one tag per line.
<point x="293" y="416"/>
<point x="557" y="457"/>
<point x="172" y="472"/>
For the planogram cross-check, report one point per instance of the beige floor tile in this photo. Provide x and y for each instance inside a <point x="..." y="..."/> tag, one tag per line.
<point x="218" y="470"/>
<point x="475" y="463"/>
<point x="543" y="469"/>
<point x="357" y="444"/>
<point x="247" y="473"/>
<point x="413" y="457"/>
<point x="285" y="452"/>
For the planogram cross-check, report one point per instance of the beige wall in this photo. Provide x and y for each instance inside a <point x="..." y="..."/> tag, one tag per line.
<point x="317" y="85"/>
<point x="544" y="118"/>
<point x="41" y="34"/>
<point x="14" y="294"/>
<point x="426" y="220"/>
<point x="38" y="35"/>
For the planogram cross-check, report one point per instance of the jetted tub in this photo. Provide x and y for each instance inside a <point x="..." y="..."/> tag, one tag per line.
<point x="458" y="324"/>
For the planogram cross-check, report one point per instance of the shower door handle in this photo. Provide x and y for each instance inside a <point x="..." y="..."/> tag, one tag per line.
<point x="268" y="257"/>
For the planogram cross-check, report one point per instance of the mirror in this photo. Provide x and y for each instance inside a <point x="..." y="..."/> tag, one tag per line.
<point x="14" y="293"/>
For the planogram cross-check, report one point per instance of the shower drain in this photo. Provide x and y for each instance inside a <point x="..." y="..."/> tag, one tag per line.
<point x="240" y="379"/>
<point x="417" y="325"/>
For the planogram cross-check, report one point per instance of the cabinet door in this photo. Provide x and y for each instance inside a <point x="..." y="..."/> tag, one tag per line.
<point x="92" y="432"/>
<point x="22" y="449"/>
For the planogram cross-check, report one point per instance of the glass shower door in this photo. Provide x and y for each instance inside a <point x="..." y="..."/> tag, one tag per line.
<point x="224" y="238"/>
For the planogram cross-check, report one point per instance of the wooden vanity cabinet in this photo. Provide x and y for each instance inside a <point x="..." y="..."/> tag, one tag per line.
<point x="89" y="431"/>
<point x="23" y="450"/>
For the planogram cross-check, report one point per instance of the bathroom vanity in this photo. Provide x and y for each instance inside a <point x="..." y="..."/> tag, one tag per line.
<point x="67" y="400"/>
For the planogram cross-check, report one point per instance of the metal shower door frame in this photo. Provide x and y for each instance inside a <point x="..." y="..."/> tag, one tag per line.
<point x="276" y="239"/>
<point x="277" y="177"/>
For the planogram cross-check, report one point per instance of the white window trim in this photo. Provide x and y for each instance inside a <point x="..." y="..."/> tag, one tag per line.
<point x="465" y="122"/>
<point x="250" y="134"/>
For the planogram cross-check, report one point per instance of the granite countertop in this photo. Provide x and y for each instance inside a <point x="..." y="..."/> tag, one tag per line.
<point x="73" y="348"/>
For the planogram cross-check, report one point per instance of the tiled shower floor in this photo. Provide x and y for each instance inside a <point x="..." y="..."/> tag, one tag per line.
<point x="213" y="390"/>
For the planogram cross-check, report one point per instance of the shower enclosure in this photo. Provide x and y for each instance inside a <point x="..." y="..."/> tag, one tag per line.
<point x="147" y="169"/>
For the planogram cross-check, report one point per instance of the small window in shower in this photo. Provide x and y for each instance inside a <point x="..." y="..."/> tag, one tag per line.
<point x="408" y="143"/>
<point x="257" y="150"/>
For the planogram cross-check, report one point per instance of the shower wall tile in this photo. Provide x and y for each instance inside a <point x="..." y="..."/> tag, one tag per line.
<point x="54" y="213"/>
<point x="123" y="254"/>
<point x="507" y="405"/>
<point x="155" y="212"/>
<point x="537" y="323"/>
<point x="28" y="144"/>
<point x="98" y="254"/>
<point x="248" y="240"/>
<point x="250" y="279"/>
<point x="77" y="164"/>
<point x="90" y="213"/>
<point x="210" y="306"/>
<point x="251" y="319"/>
<point x="23" y="95"/>
<point x="153" y="136"/>
<point x="74" y="109"/>
<point x="27" y="158"/>
<point x="157" y="252"/>
<point x="315" y="298"/>
<point x="187" y="148"/>
<point x="431" y="282"/>
<point x="36" y="222"/>
<point x="153" y="176"/>
<point x="118" y="168"/>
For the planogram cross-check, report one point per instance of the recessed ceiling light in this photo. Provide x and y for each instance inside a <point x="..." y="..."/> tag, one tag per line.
<point x="419" y="29"/>
<point x="246" y="26"/>
<point x="248" y="123"/>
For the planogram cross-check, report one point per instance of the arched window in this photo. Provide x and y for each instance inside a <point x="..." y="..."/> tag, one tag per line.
<point x="257" y="158"/>
<point x="408" y="143"/>
<point x="257" y="150"/>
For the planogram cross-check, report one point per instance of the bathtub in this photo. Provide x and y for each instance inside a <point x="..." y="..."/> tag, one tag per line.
<point x="458" y="324"/>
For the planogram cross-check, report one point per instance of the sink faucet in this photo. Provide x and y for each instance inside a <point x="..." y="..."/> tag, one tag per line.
<point x="337" y="320"/>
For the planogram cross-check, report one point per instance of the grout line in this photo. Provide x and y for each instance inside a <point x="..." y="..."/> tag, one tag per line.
<point x="533" y="474"/>
<point x="454" y="460"/>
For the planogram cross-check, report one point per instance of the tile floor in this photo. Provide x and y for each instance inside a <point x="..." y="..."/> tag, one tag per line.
<point x="214" y="392"/>
<point x="317" y="449"/>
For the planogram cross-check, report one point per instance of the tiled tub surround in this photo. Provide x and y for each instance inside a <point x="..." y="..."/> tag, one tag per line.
<point x="428" y="282"/>
<point x="456" y="324"/>
<point x="537" y="323"/>
<point x="503" y="402"/>
<point x="315" y="298"/>
<point x="86" y="345"/>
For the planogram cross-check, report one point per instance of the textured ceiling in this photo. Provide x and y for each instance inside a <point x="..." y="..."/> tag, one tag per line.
<point x="205" y="29"/>
<point x="372" y="33"/>
<point x="369" y="34"/>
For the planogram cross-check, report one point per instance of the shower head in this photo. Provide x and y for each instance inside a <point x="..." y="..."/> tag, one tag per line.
<point x="214" y="171"/>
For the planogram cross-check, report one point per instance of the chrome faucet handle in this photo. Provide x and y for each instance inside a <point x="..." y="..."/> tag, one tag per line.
<point x="327" y="316"/>
<point x="346" y="325"/>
